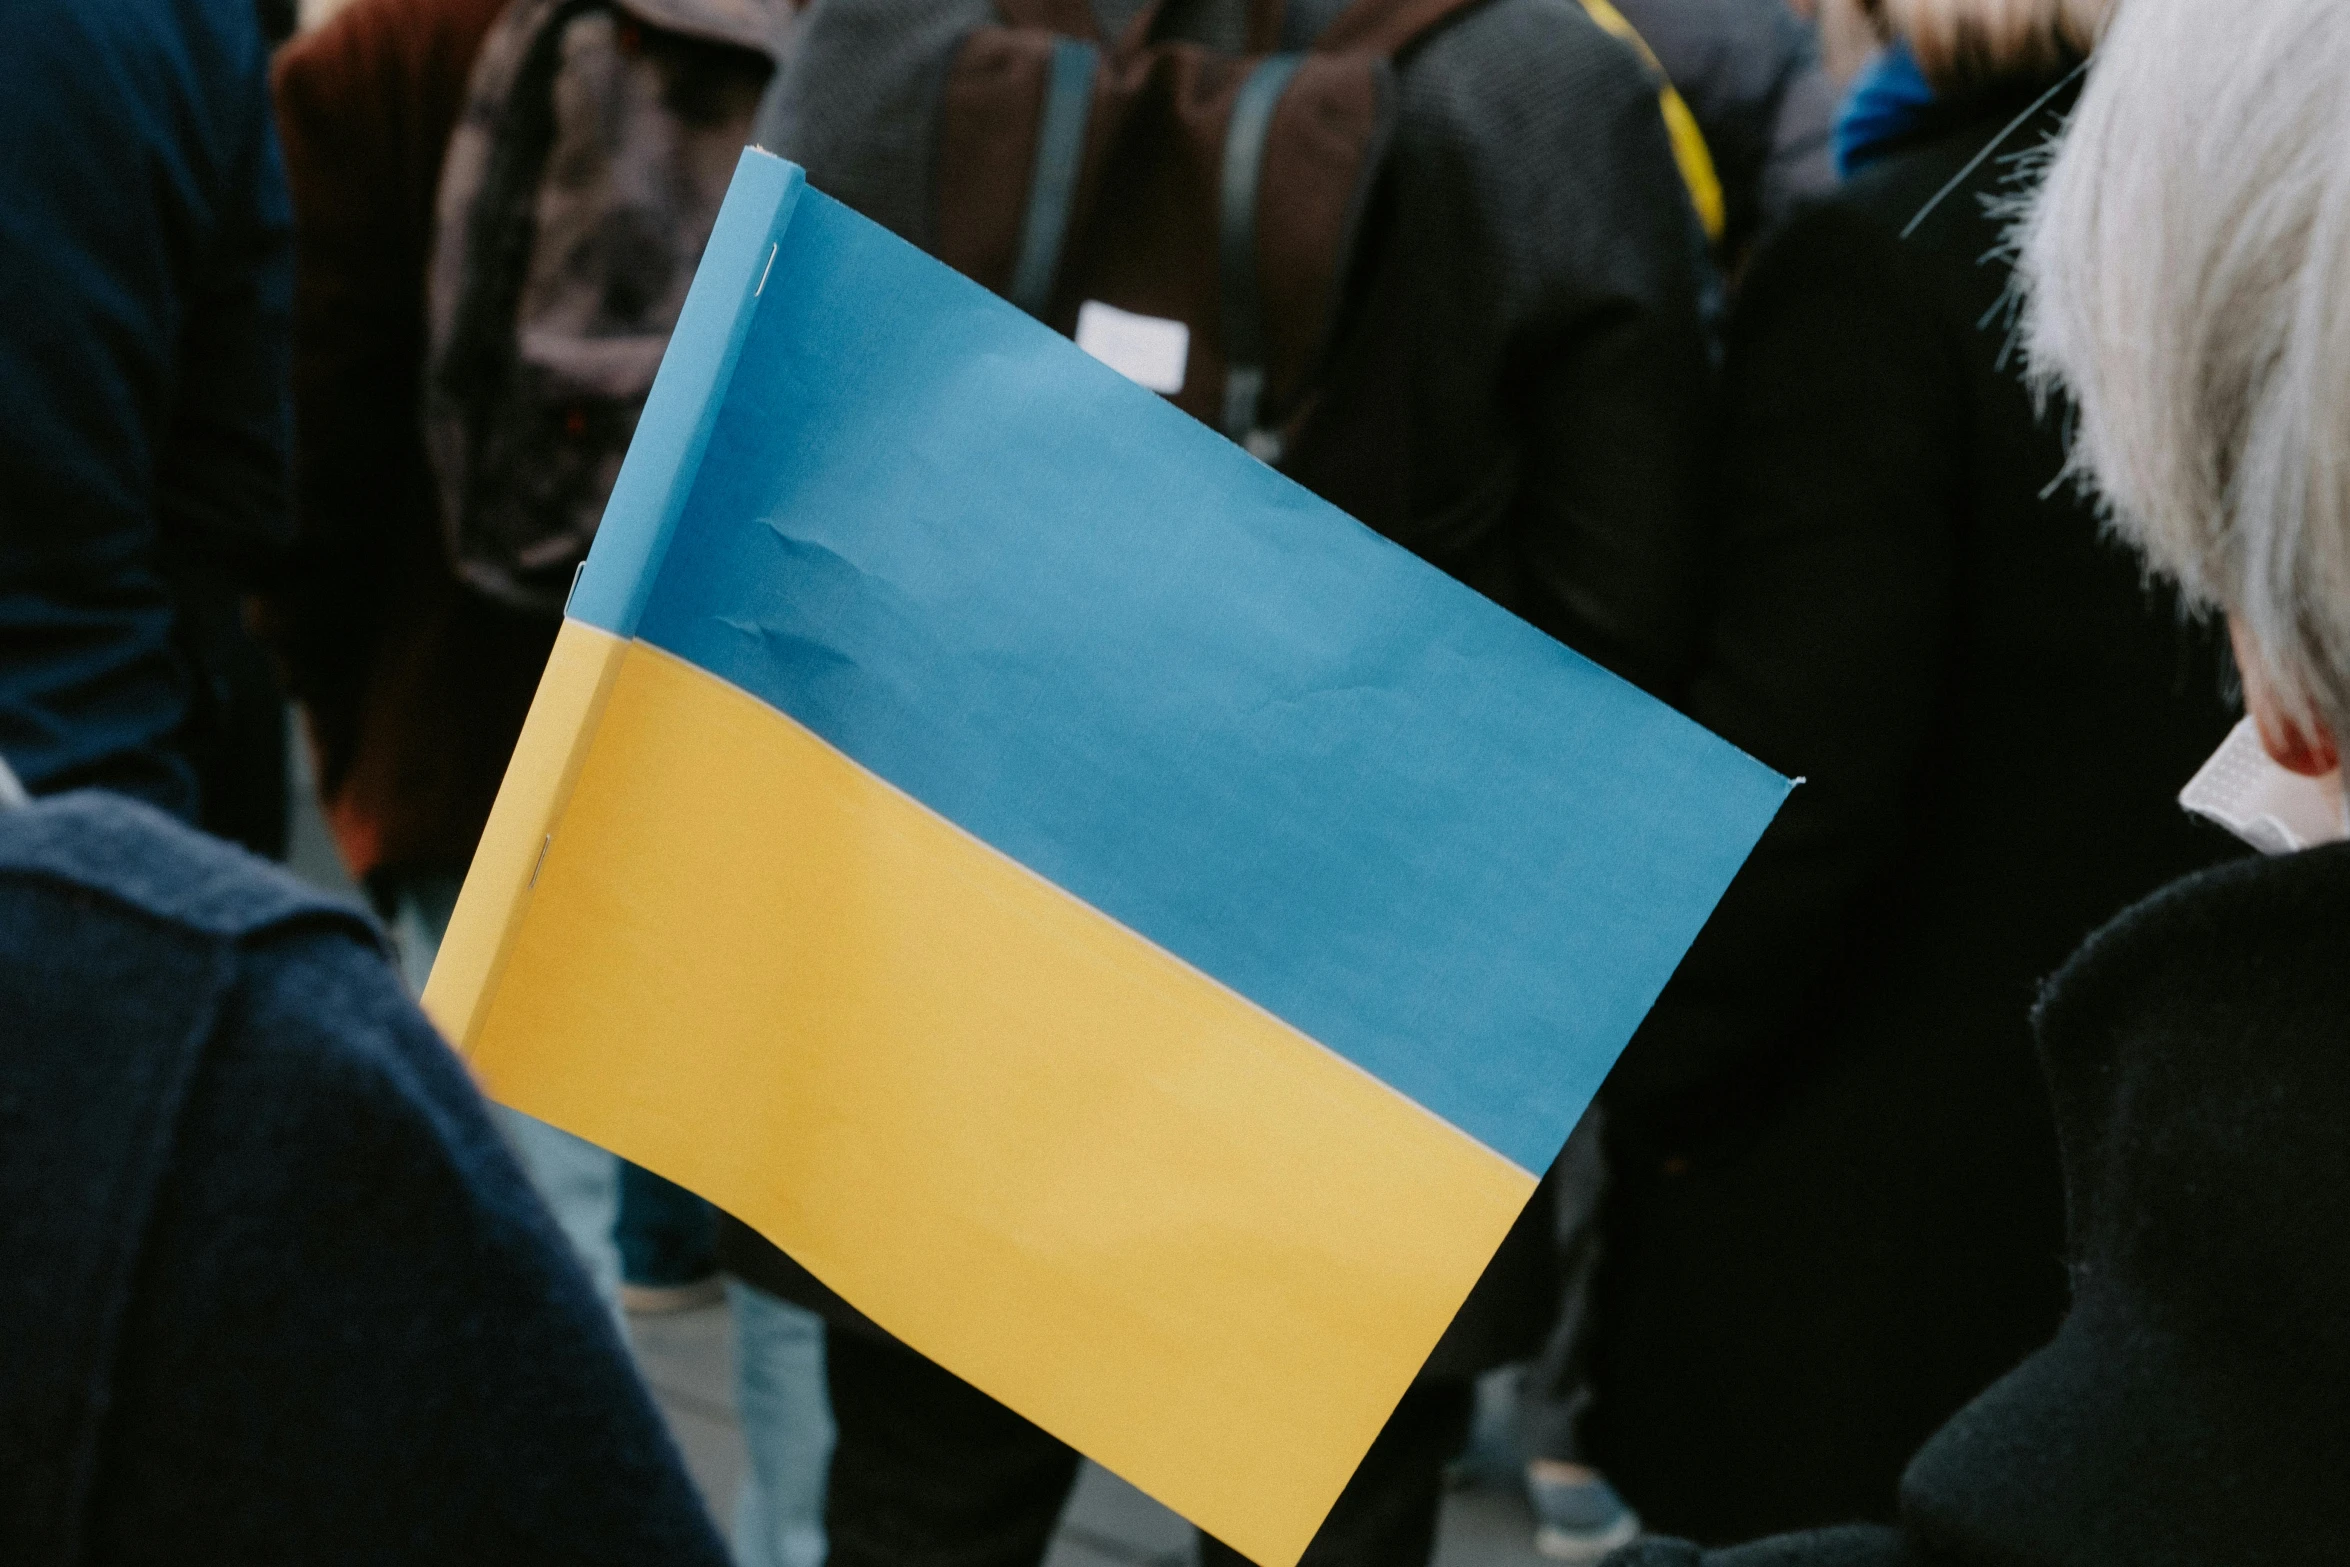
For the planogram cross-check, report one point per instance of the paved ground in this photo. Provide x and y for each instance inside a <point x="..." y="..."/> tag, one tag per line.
<point x="1109" y="1523"/>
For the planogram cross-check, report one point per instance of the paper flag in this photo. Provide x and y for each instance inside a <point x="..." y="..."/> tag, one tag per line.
<point x="1132" y="931"/>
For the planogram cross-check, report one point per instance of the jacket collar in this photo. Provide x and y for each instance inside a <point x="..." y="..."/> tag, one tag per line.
<point x="2191" y="1408"/>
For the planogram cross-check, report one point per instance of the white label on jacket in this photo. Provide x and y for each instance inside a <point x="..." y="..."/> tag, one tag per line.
<point x="1149" y="350"/>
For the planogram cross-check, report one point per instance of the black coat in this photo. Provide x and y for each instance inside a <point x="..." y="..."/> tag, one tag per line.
<point x="1838" y="1211"/>
<point x="1531" y="292"/>
<point x="2192" y="1409"/>
<point x="1517" y="386"/>
<point x="276" y="1293"/>
<point x="1752" y="76"/>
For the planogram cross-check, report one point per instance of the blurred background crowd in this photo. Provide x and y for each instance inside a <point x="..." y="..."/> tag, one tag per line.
<point x="1695" y="332"/>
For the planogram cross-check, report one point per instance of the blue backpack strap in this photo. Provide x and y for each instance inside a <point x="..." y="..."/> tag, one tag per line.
<point x="1052" y="187"/>
<point x="1243" y="309"/>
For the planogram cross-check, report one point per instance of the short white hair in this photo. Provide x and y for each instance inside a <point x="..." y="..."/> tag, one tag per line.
<point x="2186" y="270"/>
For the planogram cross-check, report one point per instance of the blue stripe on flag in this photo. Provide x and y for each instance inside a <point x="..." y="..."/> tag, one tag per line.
<point x="1098" y="636"/>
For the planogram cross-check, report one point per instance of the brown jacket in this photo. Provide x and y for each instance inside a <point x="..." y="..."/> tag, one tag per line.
<point x="414" y="689"/>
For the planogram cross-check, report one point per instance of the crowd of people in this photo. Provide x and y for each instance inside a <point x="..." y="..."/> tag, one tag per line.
<point x="1941" y="400"/>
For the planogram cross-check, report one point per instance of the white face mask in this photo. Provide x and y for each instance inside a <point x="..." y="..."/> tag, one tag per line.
<point x="2275" y="811"/>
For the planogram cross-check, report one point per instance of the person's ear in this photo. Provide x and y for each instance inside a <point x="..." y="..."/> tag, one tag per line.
<point x="2297" y="747"/>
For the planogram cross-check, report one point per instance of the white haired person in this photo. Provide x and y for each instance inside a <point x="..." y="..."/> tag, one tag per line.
<point x="1838" y="1209"/>
<point x="2188" y="266"/>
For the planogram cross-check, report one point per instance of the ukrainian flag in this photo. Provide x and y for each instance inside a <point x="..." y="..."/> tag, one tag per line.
<point x="1130" y="930"/>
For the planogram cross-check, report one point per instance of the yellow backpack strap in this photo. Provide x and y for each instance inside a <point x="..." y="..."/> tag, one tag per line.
<point x="1689" y="149"/>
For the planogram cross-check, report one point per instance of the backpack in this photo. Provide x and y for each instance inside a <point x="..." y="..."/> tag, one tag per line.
<point x="1188" y="214"/>
<point x="1185" y="213"/>
<point x="577" y="193"/>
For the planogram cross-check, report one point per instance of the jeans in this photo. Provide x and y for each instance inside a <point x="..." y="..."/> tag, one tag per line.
<point x="931" y="1472"/>
<point x="780" y="1397"/>
<point x="579" y="1182"/>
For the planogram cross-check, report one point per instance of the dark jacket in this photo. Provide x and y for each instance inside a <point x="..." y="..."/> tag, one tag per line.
<point x="275" y="1290"/>
<point x="2191" y="1410"/>
<point x="1838" y="1211"/>
<point x="1530" y="281"/>
<point x="1522" y="343"/>
<point x="1753" y="79"/>
<point x="414" y="688"/>
<point x="143" y="404"/>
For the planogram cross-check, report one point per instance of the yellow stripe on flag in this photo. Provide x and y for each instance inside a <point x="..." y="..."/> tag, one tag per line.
<point x="1085" y="1177"/>
<point x="539" y="778"/>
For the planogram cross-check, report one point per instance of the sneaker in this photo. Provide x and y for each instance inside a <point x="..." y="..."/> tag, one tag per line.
<point x="659" y="1300"/>
<point x="1578" y="1517"/>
